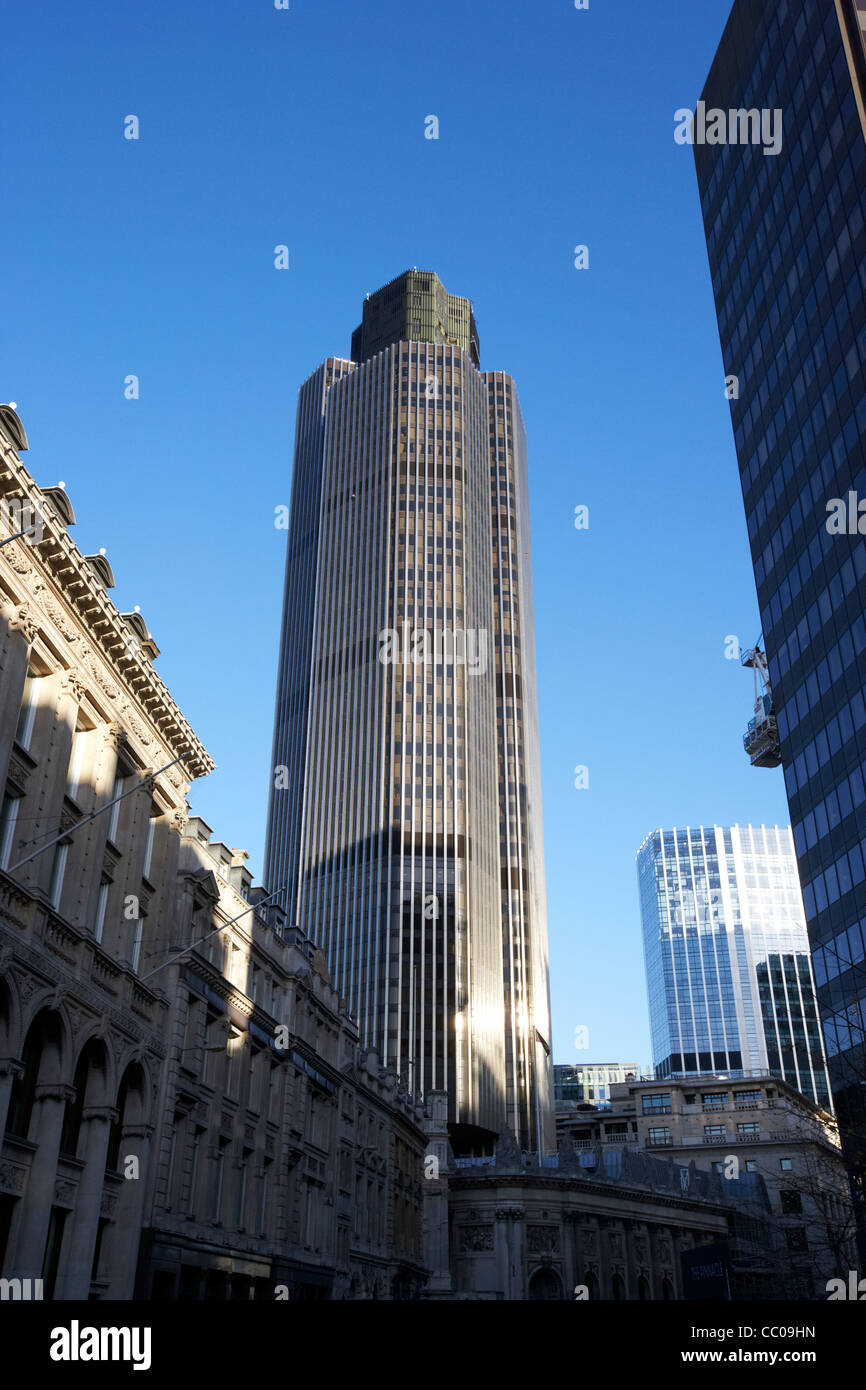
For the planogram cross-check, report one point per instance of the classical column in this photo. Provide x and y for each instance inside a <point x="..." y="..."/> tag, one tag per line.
<point x="74" y="1280"/>
<point x="134" y="1143"/>
<point x="35" y="1208"/>
<point x="570" y="1252"/>
<point x="511" y="1253"/>
<point x="10" y="1067"/>
<point x="14" y="660"/>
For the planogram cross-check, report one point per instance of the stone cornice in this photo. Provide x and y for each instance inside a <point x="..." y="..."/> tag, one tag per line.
<point x="463" y="1180"/>
<point x="77" y="610"/>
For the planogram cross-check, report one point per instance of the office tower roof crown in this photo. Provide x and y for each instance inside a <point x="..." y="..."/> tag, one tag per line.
<point x="415" y="307"/>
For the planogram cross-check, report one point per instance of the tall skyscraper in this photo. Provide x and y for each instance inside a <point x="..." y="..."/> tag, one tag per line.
<point x="729" y="977"/>
<point x="787" y="249"/>
<point x="405" y="812"/>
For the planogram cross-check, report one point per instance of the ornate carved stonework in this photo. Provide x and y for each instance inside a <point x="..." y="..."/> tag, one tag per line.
<point x="12" y="1177"/>
<point x="71" y="685"/>
<point x="476" y="1237"/>
<point x="27" y="986"/>
<point x="542" y="1240"/>
<point x="11" y="900"/>
<point x="98" y="675"/>
<point x="135" y="725"/>
<point x="615" y="1244"/>
<point x="64" y="1192"/>
<point x="17" y="773"/>
<point x="510" y="1213"/>
<point x="77" y="1017"/>
<point x="24" y="620"/>
<point x="17" y="558"/>
<point x="59" y="618"/>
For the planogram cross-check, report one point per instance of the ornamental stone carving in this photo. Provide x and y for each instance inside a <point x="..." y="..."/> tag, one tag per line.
<point x="510" y="1213"/>
<point x="476" y="1238"/>
<point x="59" y="618"/>
<point x="99" y="676"/>
<point x="135" y="725"/>
<point x="542" y="1240"/>
<point x="11" y="1177"/>
<point x="27" y="987"/>
<point x="17" y="773"/>
<point x="17" y="558"/>
<point x="24" y="621"/>
<point x="71" y="685"/>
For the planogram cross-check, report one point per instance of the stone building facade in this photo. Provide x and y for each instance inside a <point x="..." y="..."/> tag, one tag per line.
<point x="289" y="1163"/>
<point x="516" y="1229"/>
<point x="756" y="1124"/>
<point x="83" y="719"/>
<point x="209" y="1093"/>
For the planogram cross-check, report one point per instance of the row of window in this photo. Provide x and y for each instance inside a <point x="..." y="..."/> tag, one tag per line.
<point x="839" y="658"/>
<point x="816" y="559"/>
<point x="840" y="953"/>
<point x="772" y="63"/>
<point x="844" y="442"/>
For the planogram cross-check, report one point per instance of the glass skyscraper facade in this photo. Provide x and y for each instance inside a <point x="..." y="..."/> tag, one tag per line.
<point x="729" y="977"/>
<point x="786" y="236"/>
<point x="405" y="813"/>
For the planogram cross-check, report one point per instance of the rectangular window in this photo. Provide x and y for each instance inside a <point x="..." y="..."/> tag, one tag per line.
<point x="715" y="1131"/>
<point x="8" y="817"/>
<point x="58" y="869"/>
<point x="714" y="1100"/>
<point x="241" y="1192"/>
<point x="792" y="1202"/>
<point x="148" y="846"/>
<point x="101" y="905"/>
<point x="748" y="1129"/>
<point x="659" y="1134"/>
<point x="27" y="713"/>
<point x="192" y="1175"/>
<point x="114" y="813"/>
<point x="217" y="1179"/>
<point x="747" y="1100"/>
<point x="136" y="943"/>
<point x="657" y="1105"/>
<point x="76" y="759"/>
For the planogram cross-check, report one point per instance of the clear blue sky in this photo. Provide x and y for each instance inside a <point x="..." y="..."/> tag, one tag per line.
<point x="306" y="127"/>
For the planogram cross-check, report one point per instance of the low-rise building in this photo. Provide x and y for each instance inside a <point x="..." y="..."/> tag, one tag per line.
<point x="510" y="1226"/>
<point x="754" y="1124"/>
<point x="289" y="1161"/>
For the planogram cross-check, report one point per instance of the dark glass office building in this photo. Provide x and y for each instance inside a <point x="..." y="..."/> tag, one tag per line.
<point x="786" y="235"/>
<point x="405" y="810"/>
